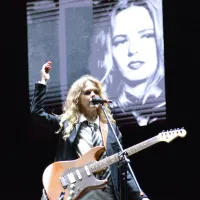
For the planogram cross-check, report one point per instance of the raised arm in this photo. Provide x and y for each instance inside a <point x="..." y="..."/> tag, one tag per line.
<point x="38" y="113"/>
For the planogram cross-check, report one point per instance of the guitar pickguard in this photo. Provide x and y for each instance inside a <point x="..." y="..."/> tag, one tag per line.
<point x="77" y="181"/>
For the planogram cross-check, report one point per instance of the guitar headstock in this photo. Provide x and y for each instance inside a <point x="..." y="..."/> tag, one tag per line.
<point x="168" y="136"/>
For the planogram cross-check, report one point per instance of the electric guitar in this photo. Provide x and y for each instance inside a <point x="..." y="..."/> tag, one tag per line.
<point x="71" y="179"/>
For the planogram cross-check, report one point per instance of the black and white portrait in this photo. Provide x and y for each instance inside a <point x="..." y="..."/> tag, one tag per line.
<point x="128" y="57"/>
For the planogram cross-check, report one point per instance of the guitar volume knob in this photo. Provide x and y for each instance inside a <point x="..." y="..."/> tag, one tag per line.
<point x="71" y="192"/>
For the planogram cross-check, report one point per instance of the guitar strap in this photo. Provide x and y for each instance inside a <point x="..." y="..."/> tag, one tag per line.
<point x="104" y="131"/>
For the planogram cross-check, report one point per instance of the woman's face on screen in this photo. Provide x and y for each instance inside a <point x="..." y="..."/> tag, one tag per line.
<point x="133" y="43"/>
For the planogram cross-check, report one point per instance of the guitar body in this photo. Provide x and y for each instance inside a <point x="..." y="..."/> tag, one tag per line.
<point x="77" y="179"/>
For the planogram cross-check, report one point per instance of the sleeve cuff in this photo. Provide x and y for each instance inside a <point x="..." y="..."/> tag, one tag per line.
<point x="42" y="82"/>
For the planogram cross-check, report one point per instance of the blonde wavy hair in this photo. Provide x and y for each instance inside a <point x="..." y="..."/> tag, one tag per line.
<point x="71" y="106"/>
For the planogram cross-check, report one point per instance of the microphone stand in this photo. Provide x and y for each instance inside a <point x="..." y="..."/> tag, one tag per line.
<point x="124" y="161"/>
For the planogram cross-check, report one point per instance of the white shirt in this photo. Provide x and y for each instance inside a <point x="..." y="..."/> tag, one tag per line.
<point x="84" y="136"/>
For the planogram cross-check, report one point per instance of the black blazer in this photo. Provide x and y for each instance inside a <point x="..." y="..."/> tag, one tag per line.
<point x="66" y="148"/>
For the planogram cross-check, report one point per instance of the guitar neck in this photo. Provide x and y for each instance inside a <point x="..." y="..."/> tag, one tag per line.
<point x="102" y="164"/>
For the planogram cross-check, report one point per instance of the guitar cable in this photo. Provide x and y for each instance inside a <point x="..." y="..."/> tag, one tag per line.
<point x="62" y="194"/>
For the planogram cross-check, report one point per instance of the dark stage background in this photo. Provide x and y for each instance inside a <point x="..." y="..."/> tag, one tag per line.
<point x="164" y="171"/>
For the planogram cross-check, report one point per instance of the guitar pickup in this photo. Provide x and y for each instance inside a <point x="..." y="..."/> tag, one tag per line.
<point x="71" y="178"/>
<point x="78" y="174"/>
<point x="87" y="170"/>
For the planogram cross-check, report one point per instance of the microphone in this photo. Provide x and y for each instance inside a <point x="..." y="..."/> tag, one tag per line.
<point x="96" y="100"/>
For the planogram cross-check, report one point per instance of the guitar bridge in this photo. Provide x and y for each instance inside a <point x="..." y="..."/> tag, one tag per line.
<point x="63" y="182"/>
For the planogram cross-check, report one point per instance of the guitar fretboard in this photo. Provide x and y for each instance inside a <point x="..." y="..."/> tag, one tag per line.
<point x="102" y="164"/>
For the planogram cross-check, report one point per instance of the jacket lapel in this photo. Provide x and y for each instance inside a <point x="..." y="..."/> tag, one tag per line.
<point x="104" y="131"/>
